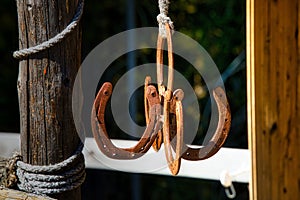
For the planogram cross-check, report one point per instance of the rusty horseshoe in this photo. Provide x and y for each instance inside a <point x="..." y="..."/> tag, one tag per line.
<point x="164" y="118"/>
<point x="221" y="132"/>
<point x="173" y="115"/>
<point x="99" y="129"/>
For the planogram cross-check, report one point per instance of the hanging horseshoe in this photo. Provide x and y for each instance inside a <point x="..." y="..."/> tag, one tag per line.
<point x="224" y="120"/>
<point x="158" y="140"/>
<point x="221" y="132"/>
<point x="172" y="132"/>
<point x="99" y="129"/>
<point x="174" y="128"/>
<point x="166" y="98"/>
<point x="159" y="70"/>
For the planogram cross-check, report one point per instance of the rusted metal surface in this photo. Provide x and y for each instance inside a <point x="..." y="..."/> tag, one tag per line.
<point x="164" y="118"/>
<point x="102" y="138"/>
<point x="220" y="134"/>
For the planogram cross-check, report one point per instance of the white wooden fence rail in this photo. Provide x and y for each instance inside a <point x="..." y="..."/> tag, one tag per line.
<point x="236" y="162"/>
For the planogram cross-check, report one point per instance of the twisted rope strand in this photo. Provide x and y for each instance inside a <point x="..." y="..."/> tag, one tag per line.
<point x="162" y="17"/>
<point x="22" y="54"/>
<point x="52" y="179"/>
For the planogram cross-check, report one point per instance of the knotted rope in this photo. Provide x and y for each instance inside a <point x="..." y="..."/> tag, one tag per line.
<point x="162" y="17"/>
<point x="52" y="179"/>
<point x="22" y="54"/>
<point x="8" y="168"/>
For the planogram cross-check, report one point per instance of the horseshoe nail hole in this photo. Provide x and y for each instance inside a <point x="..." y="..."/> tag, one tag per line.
<point x="106" y="93"/>
<point x="114" y="154"/>
<point x="188" y="154"/>
<point x="142" y="148"/>
<point x="104" y="146"/>
<point x="133" y="154"/>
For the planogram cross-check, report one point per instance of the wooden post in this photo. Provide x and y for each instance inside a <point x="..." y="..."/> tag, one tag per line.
<point x="45" y="83"/>
<point x="273" y="77"/>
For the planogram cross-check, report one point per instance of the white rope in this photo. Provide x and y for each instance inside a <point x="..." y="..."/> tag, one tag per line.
<point x="52" y="179"/>
<point x="22" y="54"/>
<point x="226" y="180"/>
<point x="162" y="17"/>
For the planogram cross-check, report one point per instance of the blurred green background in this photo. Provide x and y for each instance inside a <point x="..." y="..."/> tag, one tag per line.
<point x="219" y="26"/>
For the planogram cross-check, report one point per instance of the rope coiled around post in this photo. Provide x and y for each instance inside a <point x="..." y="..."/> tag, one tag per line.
<point x="23" y="53"/>
<point x="52" y="179"/>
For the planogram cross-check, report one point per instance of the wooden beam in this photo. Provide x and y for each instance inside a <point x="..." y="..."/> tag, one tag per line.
<point x="7" y="194"/>
<point x="48" y="133"/>
<point x="273" y="89"/>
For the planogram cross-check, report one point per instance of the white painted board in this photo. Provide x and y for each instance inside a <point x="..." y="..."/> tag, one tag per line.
<point x="235" y="161"/>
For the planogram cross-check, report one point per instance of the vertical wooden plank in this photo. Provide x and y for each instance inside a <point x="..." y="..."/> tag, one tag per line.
<point x="48" y="133"/>
<point x="23" y="77"/>
<point x="250" y="94"/>
<point x="273" y="76"/>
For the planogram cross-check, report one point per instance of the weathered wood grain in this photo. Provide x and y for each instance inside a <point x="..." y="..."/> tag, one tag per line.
<point x="273" y="74"/>
<point x="48" y="133"/>
<point x="9" y="194"/>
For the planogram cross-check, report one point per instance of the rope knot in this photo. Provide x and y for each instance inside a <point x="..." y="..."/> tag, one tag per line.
<point x="162" y="20"/>
<point x="8" y="177"/>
